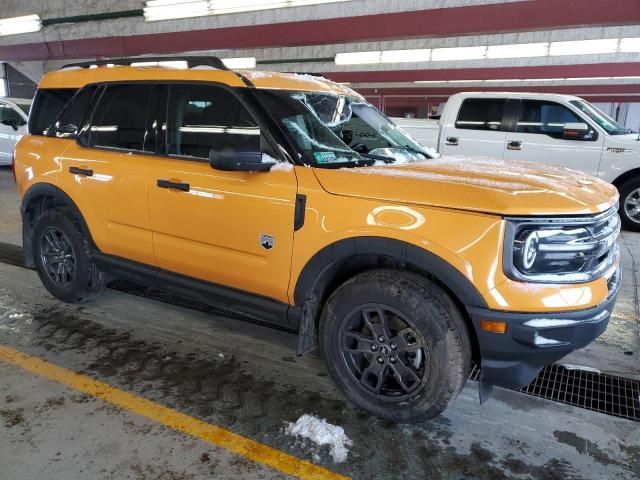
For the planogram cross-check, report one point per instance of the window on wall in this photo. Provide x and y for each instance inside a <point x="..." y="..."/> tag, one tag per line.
<point x="202" y="116"/>
<point x="120" y="117"/>
<point x="481" y="114"/>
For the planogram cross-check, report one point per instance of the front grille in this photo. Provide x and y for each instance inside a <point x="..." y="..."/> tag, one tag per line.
<point x="608" y="394"/>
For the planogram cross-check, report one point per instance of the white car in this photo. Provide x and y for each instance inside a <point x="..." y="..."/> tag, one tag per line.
<point x="555" y="129"/>
<point x="14" y="113"/>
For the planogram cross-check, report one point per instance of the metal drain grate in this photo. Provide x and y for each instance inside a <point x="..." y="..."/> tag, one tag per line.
<point x="598" y="392"/>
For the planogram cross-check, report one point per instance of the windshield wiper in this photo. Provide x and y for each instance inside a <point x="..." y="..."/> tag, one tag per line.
<point x="414" y="150"/>
<point x="382" y="158"/>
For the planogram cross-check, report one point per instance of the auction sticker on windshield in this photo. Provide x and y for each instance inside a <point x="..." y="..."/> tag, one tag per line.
<point x="326" y="157"/>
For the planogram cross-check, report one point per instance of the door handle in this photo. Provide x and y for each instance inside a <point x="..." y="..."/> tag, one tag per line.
<point x="173" y="185"/>
<point x="514" y="145"/>
<point x="87" y="172"/>
<point x="452" y="141"/>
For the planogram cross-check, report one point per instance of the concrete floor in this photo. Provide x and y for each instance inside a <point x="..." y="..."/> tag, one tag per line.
<point x="247" y="379"/>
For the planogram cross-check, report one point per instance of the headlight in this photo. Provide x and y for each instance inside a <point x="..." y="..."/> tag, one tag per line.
<point x="561" y="250"/>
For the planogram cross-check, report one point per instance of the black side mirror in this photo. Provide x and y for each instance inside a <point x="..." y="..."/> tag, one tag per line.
<point x="62" y="131"/>
<point x="577" y="131"/>
<point x="233" y="160"/>
<point x="11" y="122"/>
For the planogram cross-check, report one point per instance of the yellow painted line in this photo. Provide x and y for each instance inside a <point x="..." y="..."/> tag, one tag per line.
<point x="218" y="436"/>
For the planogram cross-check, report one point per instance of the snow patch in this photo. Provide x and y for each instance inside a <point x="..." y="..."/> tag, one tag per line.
<point x="540" y="340"/>
<point x="321" y="433"/>
<point x="570" y="366"/>
<point x="278" y="166"/>
<point x="282" y="167"/>
<point x="549" y="322"/>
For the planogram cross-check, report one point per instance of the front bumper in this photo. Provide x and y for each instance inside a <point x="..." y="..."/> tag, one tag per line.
<point x="533" y="340"/>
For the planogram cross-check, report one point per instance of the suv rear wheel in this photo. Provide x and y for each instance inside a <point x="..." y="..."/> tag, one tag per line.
<point x="630" y="204"/>
<point x="62" y="255"/>
<point x="396" y="345"/>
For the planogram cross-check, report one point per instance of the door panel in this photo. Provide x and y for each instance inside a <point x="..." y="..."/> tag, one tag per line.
<point x="107" y="177"/>
<point x="212" y="224"/>
<point x="478" y="130"/>
<point x="213" y="231"/>
<point x="538" y="138"/>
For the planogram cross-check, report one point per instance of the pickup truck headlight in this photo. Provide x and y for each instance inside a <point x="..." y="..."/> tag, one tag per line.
<point x="561" y="250"/>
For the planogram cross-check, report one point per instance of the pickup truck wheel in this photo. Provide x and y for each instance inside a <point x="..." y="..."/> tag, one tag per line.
<point x="62" y="255"/>
<point x="396" y="345"/>
<point x="630" y="204"/>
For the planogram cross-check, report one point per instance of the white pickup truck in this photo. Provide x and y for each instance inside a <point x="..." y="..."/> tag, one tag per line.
<point x="555" y="129"/>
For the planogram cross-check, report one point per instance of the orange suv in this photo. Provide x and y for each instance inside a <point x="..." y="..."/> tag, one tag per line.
<point x="290" y="199"/>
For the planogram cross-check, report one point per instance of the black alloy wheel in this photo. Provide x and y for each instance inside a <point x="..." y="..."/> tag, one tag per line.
<point x="58" y="257"/>
<point x="384" y="352"/>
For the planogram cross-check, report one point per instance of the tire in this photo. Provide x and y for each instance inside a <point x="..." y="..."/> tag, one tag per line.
<point x="57" y="233"/>
<point x="629" y="199"/>
<point x="420" y="317"/>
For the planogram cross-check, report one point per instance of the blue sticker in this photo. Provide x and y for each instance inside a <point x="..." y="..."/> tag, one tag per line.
<point x="326" y="157"/>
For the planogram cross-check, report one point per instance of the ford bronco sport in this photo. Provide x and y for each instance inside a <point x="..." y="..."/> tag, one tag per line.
<point x="248" y="190"/>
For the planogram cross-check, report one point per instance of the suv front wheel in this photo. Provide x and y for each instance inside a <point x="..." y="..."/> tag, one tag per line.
<point x="62" y="255"/>
<point x="396" y="345"/>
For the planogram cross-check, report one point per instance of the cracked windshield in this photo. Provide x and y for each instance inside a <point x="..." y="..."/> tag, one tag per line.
<point x="333" y="131"/>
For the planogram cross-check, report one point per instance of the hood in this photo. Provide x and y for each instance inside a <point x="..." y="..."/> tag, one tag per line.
<point x="629" y="138"/>
<point x="476" y="184"/>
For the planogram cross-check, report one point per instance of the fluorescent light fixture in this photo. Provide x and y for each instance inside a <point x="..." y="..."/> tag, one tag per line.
<point x="630" y="45"/>
<point x="518" y="50"/>
<point x="504" y="80"/>
<point x="529" y="80"/>
<point x="358" y="58"/>
<point x="220" y="7"/>
<point x="458" y="53"/>
<point x="403" y="56"/>
<point x="584" y="47"/>
<point x="240" y="63"/>
<point x="171" y="9"/>
<point x="24" y="24"/>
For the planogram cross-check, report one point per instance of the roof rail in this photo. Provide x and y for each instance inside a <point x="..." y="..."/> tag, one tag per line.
<point x="193" y="61"/>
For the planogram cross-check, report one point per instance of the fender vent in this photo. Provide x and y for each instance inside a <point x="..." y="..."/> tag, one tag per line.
<point x="608" y="394"/>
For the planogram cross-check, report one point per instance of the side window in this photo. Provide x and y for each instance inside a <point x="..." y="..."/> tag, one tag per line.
<point x="547" y="118"/>
<point x="119" y="118"/>
<point x="481" y="114"/>
<point x="202" y="116"/>
<point x="74" y="114"/>
<point x="7" y="112"/>
<point x="46" y="106"/>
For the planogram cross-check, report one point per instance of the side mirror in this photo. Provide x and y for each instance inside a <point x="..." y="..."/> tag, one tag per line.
<point x="577" y="131"/>
<point x="234" y="160"/>
<point x="11" y="122"/>
<point x="62" y="131"/>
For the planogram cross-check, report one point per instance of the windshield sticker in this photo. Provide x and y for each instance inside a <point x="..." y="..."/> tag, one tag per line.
<point x="326" y="157"/>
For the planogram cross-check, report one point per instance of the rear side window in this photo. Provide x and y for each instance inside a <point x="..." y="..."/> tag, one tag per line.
<point x="75" y="112"/>
<point x="481" y="114"/>
<point x="120" y="116"/>
<point x="547" y="118"/>
<point x="203" y="116"/>
<point x="47" y="105"/>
